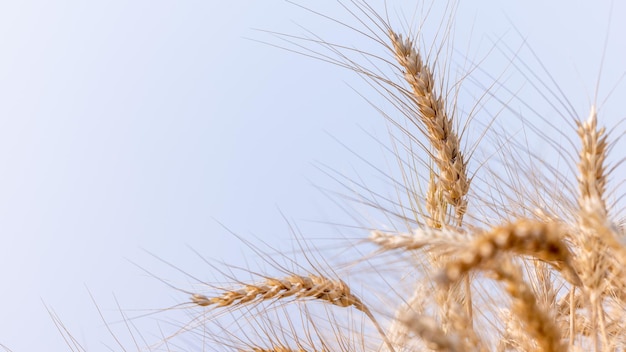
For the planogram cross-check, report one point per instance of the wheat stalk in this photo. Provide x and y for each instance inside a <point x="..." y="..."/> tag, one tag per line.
<point x="450" y="185"/>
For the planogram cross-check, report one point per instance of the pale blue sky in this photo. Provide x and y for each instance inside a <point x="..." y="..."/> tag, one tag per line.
<point x="132" y="125"/>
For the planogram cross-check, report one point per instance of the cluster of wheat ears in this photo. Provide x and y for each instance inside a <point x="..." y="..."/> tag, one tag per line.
<point x="493" y="269"/>
<point x="515" y="278"/>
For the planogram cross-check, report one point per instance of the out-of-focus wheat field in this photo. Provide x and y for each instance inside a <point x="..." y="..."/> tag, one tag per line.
<point x="137" y="127"/>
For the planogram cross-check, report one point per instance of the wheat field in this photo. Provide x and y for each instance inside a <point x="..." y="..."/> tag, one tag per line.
<point x="488" y="244"/>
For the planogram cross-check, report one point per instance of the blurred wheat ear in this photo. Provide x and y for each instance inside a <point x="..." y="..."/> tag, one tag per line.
<point x="477" y="269"/>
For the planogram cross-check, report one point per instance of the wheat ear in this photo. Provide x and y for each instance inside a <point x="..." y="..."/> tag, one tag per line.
<point x="276" y="349"/>
<point x="592" y="181"/>
<point x="538" y="322"/>
<point x="335" y="292"/>
<point x="429" y="331"/>
<point x="592" y="173"/>
<point x="541" y="240"/>
<point x="452" y="180"/>
<point x="596" y="237"/>
<point x="419" y="238"/>
<point x="451" y="184"/>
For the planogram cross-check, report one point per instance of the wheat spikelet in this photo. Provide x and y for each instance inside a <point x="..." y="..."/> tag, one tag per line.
<point x="452" y="180"/>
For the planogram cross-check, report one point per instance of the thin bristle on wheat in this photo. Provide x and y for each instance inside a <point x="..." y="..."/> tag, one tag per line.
<point x="452" y="179"/>
<point x="540" y="240"/>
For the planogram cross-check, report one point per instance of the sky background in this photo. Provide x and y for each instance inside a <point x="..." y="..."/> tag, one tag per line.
<point x="130" y="127"/>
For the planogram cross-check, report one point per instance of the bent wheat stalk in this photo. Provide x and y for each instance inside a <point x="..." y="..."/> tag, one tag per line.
<point x="540" y="240"/>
